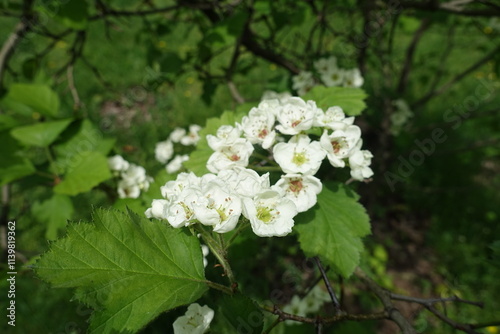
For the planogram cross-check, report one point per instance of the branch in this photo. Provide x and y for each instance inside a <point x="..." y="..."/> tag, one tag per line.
<point x="451" y="7"/>
<point x="8" y="47"/>
<point x="328" y="286"/>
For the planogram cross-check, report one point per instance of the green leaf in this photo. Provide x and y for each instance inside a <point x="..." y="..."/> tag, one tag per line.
<point x="12" y="165"/>
<point x="333" y="230"/>
<point x="237" y="314"/>
<point x="38" y="97"/>
<point x="40" y="134"/>
<point x="7" y="122"/>
<point x="54" y="212"/>
<point x="198" y="159"/>
<point x="349" y="99"/>
<point x="84" y="173"/>
<point x="127" y="268"/>
<point x="72" y="13"/>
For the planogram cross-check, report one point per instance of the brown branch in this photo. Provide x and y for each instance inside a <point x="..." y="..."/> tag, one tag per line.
<point x="14" y="38"/>
<point x="335" y="301"/>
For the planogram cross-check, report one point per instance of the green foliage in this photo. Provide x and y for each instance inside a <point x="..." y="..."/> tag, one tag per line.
<point x="13" y="165"/>
<point x="127" y="267"/>
<point x="39" y="98"/>
<point x="237" y="314"/>
<point x="73" y="14"/>
<point x="90" y="169"/>
<point x="333" y="230"/>
<point x="349" y="99"/>
<point x="40" y="134"/>
<point x="54" y="213"/>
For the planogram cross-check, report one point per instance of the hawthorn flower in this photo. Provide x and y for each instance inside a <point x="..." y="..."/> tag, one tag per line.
<point x="177" y="134"/>
<point x="117" y="163"/>
<point x="270" y="213"/>
<point x="299" y="155"/>
<point x="333" y="118"/>
<point x="192" y="137"/>
<point x="180" y="211"/>
<point x="126" y="189"/>
<point x="227" y="135"/>
<point x="296" y="115"/>
<point x="164" y="151"/>
<point x="272" y="95"/>
<point x="340" y="144"/>
<point x="323" y="65"/>
<point x="196" y="320"/>
<point x="301" y="189"/>
<point x="353" y="78"/>
<point x="258" y="127"/>
<point x="172" y="189"/>
<point x="176" y="164"/>
<point x="333" y="76"/>
<point x="359" y="162"/>
<point x="303" y="82"/>
<point x="245" y="182"/>
<point x="232" y="156"/>
<point x="158" y="209"/>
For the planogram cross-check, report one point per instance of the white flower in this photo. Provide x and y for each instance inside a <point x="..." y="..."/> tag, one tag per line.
<point x="172" y="189"/>
<point x="127" y="189"/>
<point x="158" y="209"/>
<point x="196" y="320"/>
<point x="221" y="209"/>
<point x="117" y="163"/>
<point x="296" y="115"/>
<point x="205" y="251"/>
<point x="232" y="156"/>
<point x="227" y="135"/>
<point x="297" y="307"/>
<point x="359" y="162"/>
<point x="180" y="211"/>
<point x="270" y="213"/>
<point x="333" y="118"/>
<point x="245" y="182"/>
<point x="333" y="77"/>
<point x="164" y="151"/>
<point x="353" y="78"/>
<point x="136" y="175"/>
<point x="272" y="95"/>
<point x="299" y="155"/>
<point x="177" y="134"/>
<point x="192" y="137"/>
<point x="325" y="64"/>
<point x="301" y="189"/>
<point x="176" y="164"/>
<point x="303" y="82"/>
<point x="258" y="127"/>
<point x="340" y="144"/>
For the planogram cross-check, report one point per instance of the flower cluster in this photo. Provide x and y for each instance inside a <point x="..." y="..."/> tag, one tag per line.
<point x="329" y="73"/>
<point x="164" y="150"/>
<point x="196" y="320"/>
<point x="281" y="128"/>
<point x="400" y="117"/>
<point x="132" y="178"/>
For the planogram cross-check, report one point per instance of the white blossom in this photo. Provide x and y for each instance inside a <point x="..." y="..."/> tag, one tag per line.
<point x="172" y="189"/>
<point x="303" y="82"/>
<point x="117" y="163"/>
<point x="232" y="156"/>
<point x="180" y="211"/>
<point x="164" y="151"/>
<point x="177" y="134"/>
<point x="270" y="213"/>
<point x="333" y="118"/>
<point x="333" y="77"/>
<point x="196" y="320"/>
<point x="301" y="189"/>
<point x="296" y="115"/>
<point x="299" y="155"/>
<point x="359" y="162"/>
<point x="227" y="135"/>
<point x="192" y="137"/>
<point x="245" y="182"/>
<point x="176" y="164"/>
<point x="158" y="209"/>
<point x="340" y="144"/>
<point x="325" y="64"/>
<point x="353" y="78"/>
<point x="258" y="127"/>
<point x="272" y="95"/>
<point x="205" y="251"/>
<point x="127" y="189"/>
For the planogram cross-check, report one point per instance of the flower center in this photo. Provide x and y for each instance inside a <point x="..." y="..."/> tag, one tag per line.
<point x="264" y="214"/>
<point x="336" y="146"/>
<point x="295" y="185"/>
<point x="299" y="158"/>
<point x="234" y="157"/>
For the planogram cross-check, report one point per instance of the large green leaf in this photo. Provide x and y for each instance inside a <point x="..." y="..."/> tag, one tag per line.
<point x="84" y="173"/>
<point x="54" y="212"/>
<point x="73" y="14"/>
<point x="197" y="162"/>
<point x="40" y="134"/>
<point x="40" y="98"/>
<point x="12" y="165"/>
<point x="237" y="314"/>
<point x="333" y="230"/>
<point x="127" y="268"/>
<point x="351" y="100"/>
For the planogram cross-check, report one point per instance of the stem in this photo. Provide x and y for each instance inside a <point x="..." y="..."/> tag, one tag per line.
<point x="328" y="286"/>
<point x="219" y="287"/>
<point x="51" y="161"/>
<point x="243" y="225"/>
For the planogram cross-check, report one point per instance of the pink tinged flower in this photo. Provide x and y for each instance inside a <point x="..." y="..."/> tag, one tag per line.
<point x="340" y="144"/>
<point x="299" y="155"/>
<point x="196" y="320"/>
<point x="359" y="162"/>
<point x="270" y="213"/>
<point x="258" y="127"/>
<point x="295" y="116"/>
<point x="227" y="135"/>
<point x="232" y="156"/>
<point x="301" y="189"/>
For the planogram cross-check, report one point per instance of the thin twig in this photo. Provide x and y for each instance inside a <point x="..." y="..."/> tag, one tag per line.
<point x="335" y="301"/>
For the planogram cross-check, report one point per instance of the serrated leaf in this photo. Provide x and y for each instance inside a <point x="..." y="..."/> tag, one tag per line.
<point x="40" y="98"/>
<point x="12" y="165"/>
<point x="333" y="230"/>
<point x="237" y="314"/>
<point x="351" y="100"/>
<point x="40" y="134"/>
<point x="127" y="268"/>
<point x="198" y="158"/>
<point x="54" y="212"/>
<point x="90" y="169"/>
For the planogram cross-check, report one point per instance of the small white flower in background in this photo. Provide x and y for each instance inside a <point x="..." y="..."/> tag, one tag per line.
<point x="299" y="155"/>
<point x="272" y="95"/>
<point x="359" y="162"/>
<point x="333" y="77"/>
<point x="128" y="190"/>
<point x="137" y="175"/>
<point x="333" y="118"/>
<point x="117" y="163"/>
<point x="270" y="213"/>
<point x="340" y="144"/>
<point x="245" y="182"/>
<point x="296" y="307"/>
<point x="310" y="304"/>
<point x="164" y="151"/>
<point x="227" y="135"/>
<point x="400" y="116"/>
<point x="176" y="164"/>
<point x="296" y="115"/>
<point x="303" y="82"/>
<point x="133" y="179"/>
<point x="196" y="320"/>
<point x="301" y="189"/>
<point x="325" y="64"/>
<point x="158" y="209"/>
<point x="258" y="127"/>
<point x="205" y="251"/>
<point x="353" y="78"/>
<point x="228" y="157"/>
<point x="192" y="136"/>
<point x="177" y="134"/>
